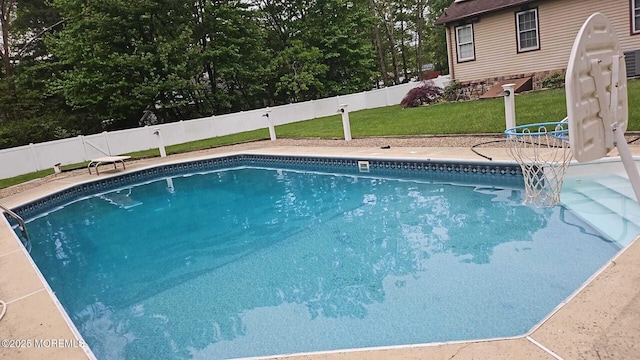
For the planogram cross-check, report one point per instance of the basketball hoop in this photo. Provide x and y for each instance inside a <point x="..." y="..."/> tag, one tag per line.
<point x="597" y="117"/>
<point x="543" y="152"/>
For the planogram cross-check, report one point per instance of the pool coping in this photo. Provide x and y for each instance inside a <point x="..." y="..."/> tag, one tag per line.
<point x="537" y="349"/>
<point x="507" y="174"/>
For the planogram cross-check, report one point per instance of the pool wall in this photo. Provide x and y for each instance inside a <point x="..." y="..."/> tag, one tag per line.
<point x="496" y="173"/>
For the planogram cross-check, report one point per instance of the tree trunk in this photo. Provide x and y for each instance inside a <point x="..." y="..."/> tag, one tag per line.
<point x="419" y="30"/>
<point x="388" y="27"/>
<point x="5" y="18"/>
<point x="383" y="63"/>
<point x="394" y="54"/>
<point x="403" y="53"/>
<point x="378" y="46"/>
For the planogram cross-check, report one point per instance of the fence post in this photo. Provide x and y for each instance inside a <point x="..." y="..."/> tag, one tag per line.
<point x="163" y="151"/>
<point x="243" y="121"/>
<point x="84" y="148"/>
<point x="34" y="155"/>
<point x="346" y="126"/>
<point x="184" y="131"/>
<point x="272" y="128"/>
<point x="509" y="105"/>
<point x="106" y="139"/>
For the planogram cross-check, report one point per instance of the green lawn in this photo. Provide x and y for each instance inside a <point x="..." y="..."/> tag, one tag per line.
<point x="466" y="117"/>
<point x="260" y="134"/>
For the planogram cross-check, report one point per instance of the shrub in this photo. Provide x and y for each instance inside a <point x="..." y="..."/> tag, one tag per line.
<point x="555" y="80"/>
<point x="426" y="93"/>
<point x="451" y="91"/>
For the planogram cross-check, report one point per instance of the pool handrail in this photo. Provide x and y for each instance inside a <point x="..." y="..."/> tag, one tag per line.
<point x="21" y="226"/>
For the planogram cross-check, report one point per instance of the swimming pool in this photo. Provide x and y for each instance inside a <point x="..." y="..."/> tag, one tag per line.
<point x="313" y="261"/>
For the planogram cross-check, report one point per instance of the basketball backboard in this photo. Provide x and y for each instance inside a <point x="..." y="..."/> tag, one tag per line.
<point x="596" y="90"/>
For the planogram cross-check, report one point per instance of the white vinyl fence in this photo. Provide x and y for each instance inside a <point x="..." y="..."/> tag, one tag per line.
<point x="34" y="157"/>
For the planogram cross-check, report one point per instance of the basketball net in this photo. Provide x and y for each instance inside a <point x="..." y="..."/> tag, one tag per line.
<point x="543" y="156"/>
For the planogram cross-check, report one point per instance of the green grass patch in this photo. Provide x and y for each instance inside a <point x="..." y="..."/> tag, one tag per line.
<point x="4" y="183"/>
<point x="246" y="136"/>
<point x="74" y="166"/>
<point x="259" y="134"/>
<point x="633" y="98"/>
<point x="466" y="117"/>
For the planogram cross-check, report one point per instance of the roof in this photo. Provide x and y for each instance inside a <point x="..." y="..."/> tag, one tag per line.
<point x="459" y="10"/>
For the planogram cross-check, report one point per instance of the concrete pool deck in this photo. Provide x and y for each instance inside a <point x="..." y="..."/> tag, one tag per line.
<point x="601" y="321"/>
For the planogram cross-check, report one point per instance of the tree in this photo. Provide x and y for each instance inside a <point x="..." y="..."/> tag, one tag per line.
<point x="121" y="57"/>
<point x="436" y="43"/>
<point x="68" y="65"/>
<point x="406" y="37"/>
<point x="7" y="9"/>
<point x="379" y="47"/>
<point x="326" y="44"/>
<point x="420" y="25"/>
<point x="232" y="55"/>
<point x="340" y="30"/>
<point x="27" y="112"/>
<point x="385" y="11"/>
<point x="301" y="72"/>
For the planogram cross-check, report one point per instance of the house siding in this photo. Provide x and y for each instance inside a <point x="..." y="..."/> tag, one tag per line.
<point x="559" y="21"/>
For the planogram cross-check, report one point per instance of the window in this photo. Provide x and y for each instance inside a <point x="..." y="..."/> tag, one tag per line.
<point x="464" y="41"/>
<point x="635" y="16"/>
<point x="528" y="36"/>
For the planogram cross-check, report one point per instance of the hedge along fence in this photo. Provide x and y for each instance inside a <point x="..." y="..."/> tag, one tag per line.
<point x="35" y="157"/>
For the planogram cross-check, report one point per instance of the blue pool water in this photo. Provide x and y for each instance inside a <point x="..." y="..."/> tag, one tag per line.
<point x="253" y="261"/>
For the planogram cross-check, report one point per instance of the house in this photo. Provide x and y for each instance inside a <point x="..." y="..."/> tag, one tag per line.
<point x="494" y="40"/>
